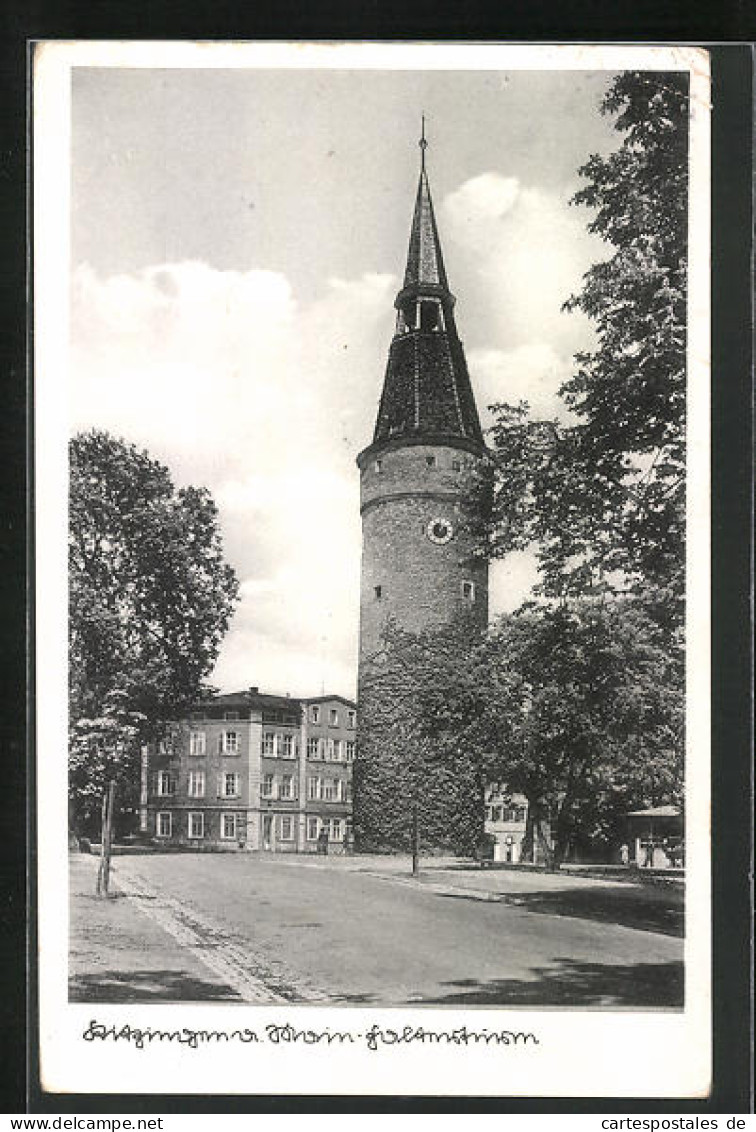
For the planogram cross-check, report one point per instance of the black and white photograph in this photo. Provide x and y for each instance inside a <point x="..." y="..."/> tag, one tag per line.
<point x="372" y="463"/>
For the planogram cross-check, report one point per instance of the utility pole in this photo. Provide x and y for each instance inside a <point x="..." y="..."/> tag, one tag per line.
<point x="415" y="838"/>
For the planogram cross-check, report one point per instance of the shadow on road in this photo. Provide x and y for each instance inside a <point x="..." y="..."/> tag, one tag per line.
<point x="626" y="909"/>
<point x="576" y="984"/>
<point x="146" y="986"/>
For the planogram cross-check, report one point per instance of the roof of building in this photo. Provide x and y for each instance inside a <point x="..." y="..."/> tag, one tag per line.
<point x="427" y="392"/>
<point x="656" y="812"/>
<point x="253" y="698"/>
<point x="326" y="699"/>
<point x="425" y="263"/>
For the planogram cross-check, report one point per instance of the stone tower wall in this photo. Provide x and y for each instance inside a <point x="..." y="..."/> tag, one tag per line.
<point x="421" y="582"/>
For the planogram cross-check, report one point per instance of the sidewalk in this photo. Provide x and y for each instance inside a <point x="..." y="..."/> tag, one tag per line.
<point x="119" y="952"/>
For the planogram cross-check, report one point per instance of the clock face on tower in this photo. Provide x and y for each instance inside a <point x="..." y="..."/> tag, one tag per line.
<point x="439" y="531"/>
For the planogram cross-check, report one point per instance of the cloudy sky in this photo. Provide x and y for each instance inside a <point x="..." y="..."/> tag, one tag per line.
<point x="238" y="238"/>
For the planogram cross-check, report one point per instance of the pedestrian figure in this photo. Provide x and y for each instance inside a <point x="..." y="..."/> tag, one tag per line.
<point x="624" y="854"/>
<point x="323" y="842"/>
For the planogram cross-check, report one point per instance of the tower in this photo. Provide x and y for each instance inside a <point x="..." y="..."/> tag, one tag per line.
<point x="419" y="491"/>
<point x="418" y="476"/>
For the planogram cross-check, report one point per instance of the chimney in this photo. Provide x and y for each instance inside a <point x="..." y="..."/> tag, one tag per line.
<point x="253" y="691"/>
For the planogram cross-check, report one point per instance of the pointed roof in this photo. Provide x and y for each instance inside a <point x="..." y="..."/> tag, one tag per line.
<point x="427" y="396"/>
<point x="425" y="264"/>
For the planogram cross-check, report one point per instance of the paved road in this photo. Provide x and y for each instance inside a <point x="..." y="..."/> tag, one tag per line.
<point x="274" y="929"/>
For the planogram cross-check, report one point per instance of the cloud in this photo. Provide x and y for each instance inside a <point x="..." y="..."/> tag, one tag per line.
<point x="532" y="372"/>
<point x="483" y="199"/>
<point x="236" y="386"/>
<point x="521" y="252"/>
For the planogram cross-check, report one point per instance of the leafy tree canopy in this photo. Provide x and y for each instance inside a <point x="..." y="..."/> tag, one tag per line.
<point x="578" y="706"/>
<point x="150" y="600"/>
<point x="602" y="499"/>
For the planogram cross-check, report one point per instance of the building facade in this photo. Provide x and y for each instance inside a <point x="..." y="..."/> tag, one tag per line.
<point x="253" y="771"/>
<point x="506" y="816"/>
<point x="420" y="502"/>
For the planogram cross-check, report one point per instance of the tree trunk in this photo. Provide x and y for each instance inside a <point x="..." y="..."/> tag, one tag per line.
<point x="106" y="836"/>
<point x="535" y="838"/>
<point x="561" y="839"/>
<point x="527" y="852"/>
<point x="415" y="841"/>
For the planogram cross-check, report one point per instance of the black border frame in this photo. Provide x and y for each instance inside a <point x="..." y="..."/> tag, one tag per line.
<point x="732" y="466"/>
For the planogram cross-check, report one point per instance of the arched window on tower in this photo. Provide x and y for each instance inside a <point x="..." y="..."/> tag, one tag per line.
<point x="430" y="315"/>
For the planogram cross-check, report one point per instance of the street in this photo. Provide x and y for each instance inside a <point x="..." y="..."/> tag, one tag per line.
<point x="199" y="927"/>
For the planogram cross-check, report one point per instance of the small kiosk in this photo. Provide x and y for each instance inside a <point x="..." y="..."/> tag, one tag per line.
<point x="656" y="838"/>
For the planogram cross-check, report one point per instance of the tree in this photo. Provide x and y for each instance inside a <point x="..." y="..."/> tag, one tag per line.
<point x="577" y="705"/>
<point x="602" y="499"/>
<point x="150" y="600"/>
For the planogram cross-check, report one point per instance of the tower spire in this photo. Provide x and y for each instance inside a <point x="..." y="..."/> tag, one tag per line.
<point x="426" y="390"/>
<point x="425" y="264"/>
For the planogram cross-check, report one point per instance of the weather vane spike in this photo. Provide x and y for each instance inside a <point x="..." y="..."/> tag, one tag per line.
<point x="423" y="144"/>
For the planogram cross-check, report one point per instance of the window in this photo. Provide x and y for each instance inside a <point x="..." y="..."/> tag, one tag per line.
<point x="378" y="593"/>
<point x="350" y="746"/>
<point x="347" y="791"/>
<point x="164" y="826"/>
<point x="229" y="825"/>
<point x="430" y="461"/>
<point x="267" y="786"/>
<point x="331" y="750"/>
<point x="378" y="466"/>
<point x="338" y="750"/>
<point x="196" y="825"/>
<point x="468" y="591"/>
<point x="229" y="715"/>
<point x="457" y="465"/>
<point x="196" y="784"/>
<point x="287" y="746"/>
<point x="429" y="315"/>
<point x="352" y="719"/>
<point x="166" y="783"/>
<point x="333" y="717"/>
<point x="229" y="743"/>
<point x="197" y="743"/>
<point x="230" y="785"/>
<point x="329" y="789"/>
<point x="315" y="713"/>
<point x="312" y="829"/>
<point x="335" y="829"/>
<point x="269" y="743"/>
<point x="288" y="787"/>
<point x="313" y="788"/>
<point x="287" y="829"/>
<point x="313" y="748"/>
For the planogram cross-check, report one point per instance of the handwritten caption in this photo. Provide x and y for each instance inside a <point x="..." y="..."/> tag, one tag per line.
<point x="374" y="1038"/>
